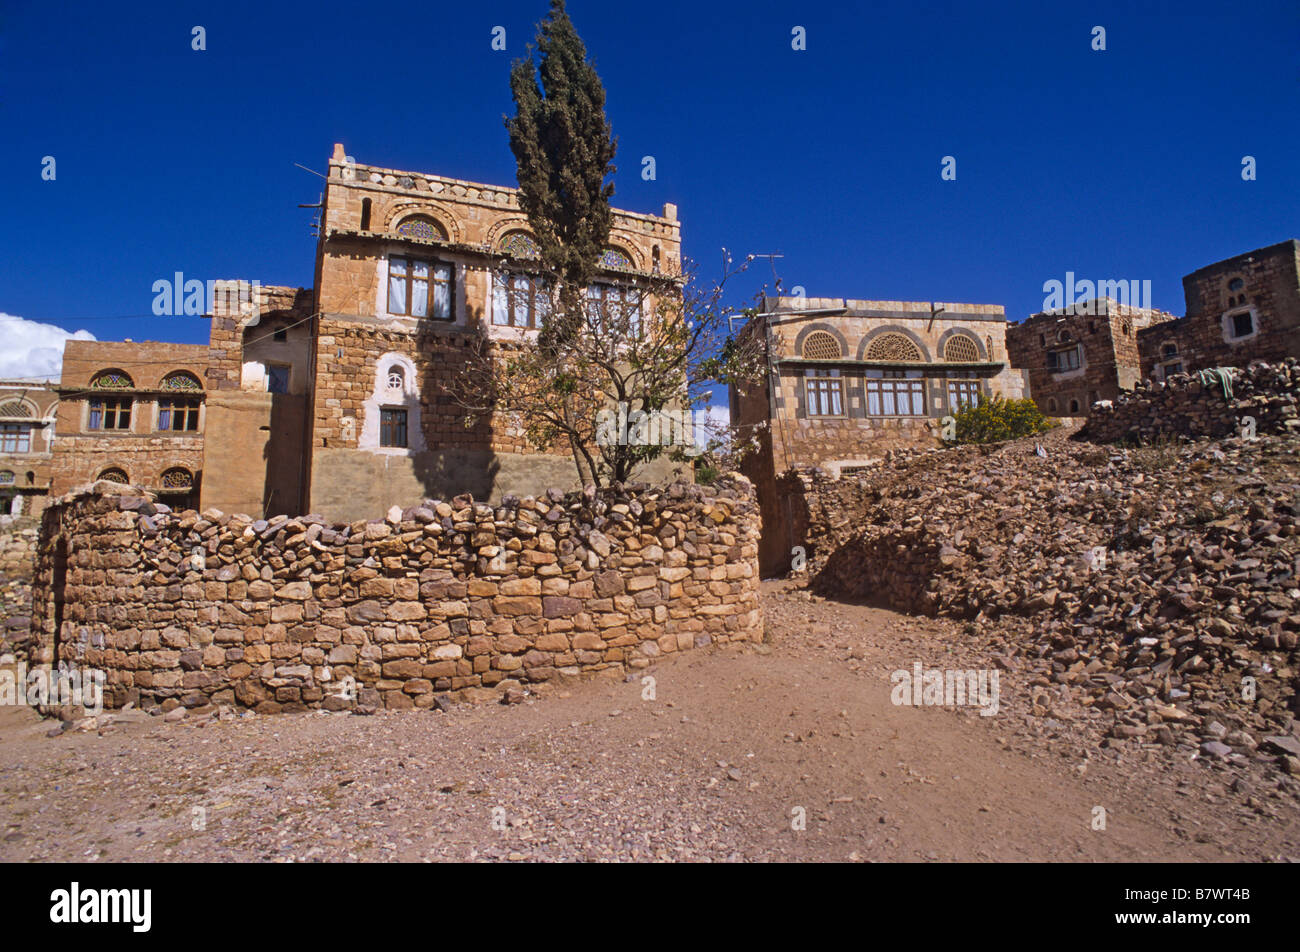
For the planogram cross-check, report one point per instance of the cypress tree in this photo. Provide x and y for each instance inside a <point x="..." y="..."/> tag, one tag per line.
<point x="564" y="151"/>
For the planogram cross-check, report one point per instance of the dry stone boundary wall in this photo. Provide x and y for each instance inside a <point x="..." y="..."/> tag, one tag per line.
<point x="187" y="608"/>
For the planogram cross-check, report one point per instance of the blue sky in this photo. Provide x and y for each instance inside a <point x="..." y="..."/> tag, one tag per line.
<point x="1117" y="164"/>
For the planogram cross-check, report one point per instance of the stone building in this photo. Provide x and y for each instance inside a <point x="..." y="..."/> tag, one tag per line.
<point x="333" y="400"/>
<point x="26" y="441"/>
<point x="849" y="380"/>
<point x="132" y="412"/>
<point x="1240" y="310"/>
<point x="1078" y="355"/>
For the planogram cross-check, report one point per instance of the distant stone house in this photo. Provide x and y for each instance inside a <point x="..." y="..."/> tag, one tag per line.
<point x="26" y="442"/>
<point x="848" y="380"/>
<point x="1076" y="356"/>
<point x="1243" y="309"/>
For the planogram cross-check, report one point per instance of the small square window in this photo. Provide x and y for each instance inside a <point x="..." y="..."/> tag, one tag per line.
<point x="277" y="378"/>
<point x="1243" y="324"/>
<point x="281" y="334"/>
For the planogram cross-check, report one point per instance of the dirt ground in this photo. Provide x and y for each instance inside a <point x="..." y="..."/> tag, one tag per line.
<point x="790" y="750"/>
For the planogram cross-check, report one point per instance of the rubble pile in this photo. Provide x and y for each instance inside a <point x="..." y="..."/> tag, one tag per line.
<point x="1160" y="584"/>
<point x="1199" y="405"/>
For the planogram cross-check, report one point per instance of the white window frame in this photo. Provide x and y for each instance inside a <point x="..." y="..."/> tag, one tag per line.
<point x="1227" y="322"/>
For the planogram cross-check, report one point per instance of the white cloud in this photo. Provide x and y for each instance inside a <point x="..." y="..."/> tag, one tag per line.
<point x="33" y="351"/>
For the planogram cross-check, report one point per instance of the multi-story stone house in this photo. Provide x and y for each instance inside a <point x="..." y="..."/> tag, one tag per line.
<point x="26" y="439"/>
<point x="1243" y="309"/>
<point x="1078" y="355"/>
<point x="336" y="399"/>
<point x="848" y="380"/>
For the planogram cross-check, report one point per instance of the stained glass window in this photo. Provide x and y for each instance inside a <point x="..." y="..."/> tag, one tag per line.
<point x="519" y="244"/>
<point x="181" y="381"/>
<point x="614" y="258"/>
<point x="178" y="479"/>
<point x="425" y="228"/>
<point x="961" y="349"/>
<point x="893" y="347"/>
<point x="114" y="475"/>
<point x="111" y="380"/>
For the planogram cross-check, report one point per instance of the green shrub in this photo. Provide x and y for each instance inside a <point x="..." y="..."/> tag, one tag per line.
<point x="1000" y="419"/>
<point x="706" y="474"/>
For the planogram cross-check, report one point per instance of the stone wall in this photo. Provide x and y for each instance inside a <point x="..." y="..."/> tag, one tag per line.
<point x="17" y="546"/>
<point x="1184" y="405"/>
<point x="444" y="597"/>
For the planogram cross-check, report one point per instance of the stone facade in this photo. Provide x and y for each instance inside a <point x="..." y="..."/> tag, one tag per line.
<point x="133" y="412"/>
<point x="1077" y="356"/>
<point x="27" y="413"/>
<point x="183" y="608"/>
<point x="850" y="381"/>
<point x="1197" y="406"/>
<point x="1242" y="309"/>
<point x="472" y="238"/>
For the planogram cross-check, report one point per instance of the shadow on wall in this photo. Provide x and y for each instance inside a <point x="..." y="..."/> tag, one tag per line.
<point x="283" y="455"/>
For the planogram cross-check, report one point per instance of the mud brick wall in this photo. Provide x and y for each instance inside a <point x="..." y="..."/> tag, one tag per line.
<point x="443" y="597"/>
<point x="1184" y="406"/>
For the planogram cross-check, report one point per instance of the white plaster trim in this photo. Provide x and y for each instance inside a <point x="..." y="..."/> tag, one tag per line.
<point x="1225" y="323"/>
<point x="381" y="396"/>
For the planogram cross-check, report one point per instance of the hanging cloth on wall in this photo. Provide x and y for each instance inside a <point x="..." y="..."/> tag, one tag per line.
<point x="1220" y="375"/>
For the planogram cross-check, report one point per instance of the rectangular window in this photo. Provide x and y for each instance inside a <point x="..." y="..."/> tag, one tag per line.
<point x="392" y="426"/>
<point x="409" y="281"/>
<point x="1243" y="325"/>
<point x="824" y="392"/>
<point x="277" y="378"/>
<point x="616" y="307"/>
<point x="895" y="394"/>
<point x="110" y="413"/>
<point x="15" y="438"/>
<point x="1063" y="360"/>
<point x="519" y="299"/>
<point x="178" y="414"/>
<point x="963" y="393"/>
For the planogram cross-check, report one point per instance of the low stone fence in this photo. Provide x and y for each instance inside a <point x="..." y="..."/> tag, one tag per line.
<point x="1194" y="405"/>
<point x="197" y="608"/>
<point x="17" y="546"/>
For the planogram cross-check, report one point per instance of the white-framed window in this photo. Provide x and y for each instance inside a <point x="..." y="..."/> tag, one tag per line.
<point x="895" y="393"/>
<point x="1240" y="324"/>
<point x="824" y="392"/>
<point x="519" y="299"/>
<point x="1063" y="361"/>
<point x="420" y="288"/>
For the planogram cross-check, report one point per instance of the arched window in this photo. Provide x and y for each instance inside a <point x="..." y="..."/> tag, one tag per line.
<point x="177" y="479"/>
<point x="518" y="244"/>
<point x="16" y="409"/>
<point x="1074" y="406"/>
<point x="616" y="258"/>
<point x="182" y="381"/>
<point x="111" y="380"/>
<point x="820" y="345"/>
<point x="114" y="475"/>
<point x="1063" y="337"/>
<point x="365" y="214"/>
<point x="894" y="348"/>
<point x="961" y="349"/>
<point x="654" y="259"/>
<point x="396" y="377"/>
<point x="1236" y="284"/>
<point x="423" y="227"/>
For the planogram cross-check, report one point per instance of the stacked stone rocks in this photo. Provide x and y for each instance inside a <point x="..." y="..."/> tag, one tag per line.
<point x="1151" y="582"/>
<point x="17" y="554"/>
<point x="1188" y="405"/>
<point x="187" y="608"/>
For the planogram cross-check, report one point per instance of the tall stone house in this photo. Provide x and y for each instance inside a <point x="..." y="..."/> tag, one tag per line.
<point x="1075" y="356"/>
<point x="1239" y="310"/>
<point x="848" y="380"/>
<point x="26" y="438"/>
<point x="334" y="399"/>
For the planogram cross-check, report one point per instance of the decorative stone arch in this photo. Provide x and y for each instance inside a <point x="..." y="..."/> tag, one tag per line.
<point x="407" y="397"/>
<point x="625" y="244"/>
<point x="404" y="210"/>
<point x="110" y="379"/>
<point x="952" y="333"/>
<point x="181" y="380"/>
<point x="820" y="327"/>
<point x="17" y="408"/>
<point x="515" y="237"/>
<point x="177" y="478"/>
<point x="865" y="344"/>
<point x="114" y="474"/>
<point x="502" y="227"/>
